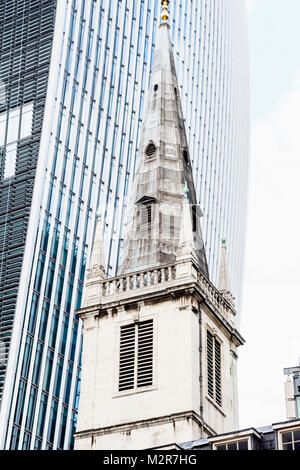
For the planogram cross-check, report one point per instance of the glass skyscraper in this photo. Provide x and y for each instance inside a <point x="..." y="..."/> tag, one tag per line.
<point x="75" y="75"/>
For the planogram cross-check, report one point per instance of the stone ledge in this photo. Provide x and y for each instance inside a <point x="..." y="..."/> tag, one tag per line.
<point x="186" y="415"/>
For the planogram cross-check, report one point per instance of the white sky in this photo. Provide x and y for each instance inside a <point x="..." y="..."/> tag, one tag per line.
<point x="270" y="313"/>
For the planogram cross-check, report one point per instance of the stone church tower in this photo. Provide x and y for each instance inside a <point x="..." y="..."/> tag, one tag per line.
<point x="159" y="350"/>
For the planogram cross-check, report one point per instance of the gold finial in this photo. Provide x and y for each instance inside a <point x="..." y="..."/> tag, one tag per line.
<point x="165" y="13"/>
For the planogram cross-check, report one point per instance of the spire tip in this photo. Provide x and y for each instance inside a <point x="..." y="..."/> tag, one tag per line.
<point x="165" y="12"/>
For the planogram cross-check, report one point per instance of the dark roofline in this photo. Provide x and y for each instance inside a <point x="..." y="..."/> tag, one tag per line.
<point x="259" y="430"/>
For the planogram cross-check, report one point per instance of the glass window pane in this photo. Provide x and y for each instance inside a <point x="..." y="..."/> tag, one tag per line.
<point x="44" y="320"/>
<point x="55" y="240"/>
<point x="13" y="125"/>
<point x="2" y="127"/>
<point x="33" y="313"/>
<point x="39" y="272"/>
<point x="37" y="363"/>
<point x="31" y="408"/>
<point x="37" y="444"/>
<point x="49" y="280"/>
<point x="232" y="446"/>
<point x="63" y="426"/>
<point x="77" y="390"/>
<point x="69" y="294"/>
<point x="287" y="446"/>
<point x="74" y="256"/>
<point x="72" y="431"/>
<point x="58" y="377"/>
<point x="297" y="435"/>
<point x="68" y="384"/>
<point x="3" y="92"/>
<point x="27" y="356"/>
<point x="26" y="441"/>
<point x="73" y="341"/>
<point x="64" y="334"/>
<point x="10" y="160"/>
<point x="79" y="296"/>
<point x="53" y="329"/>
<point x="20" y="403"/>
<point x="26" y="120"/>
<point x="287" y="437"/>
<point x="48" y="371"/>
<point x="221" y="447"/>
<point x="83" y="264"/>
<point x="59" y="286"/>
<point x="243" y="445"/>
<point x="15" y="437"/>
<point x="52" y="421"/>
<point x="297" y="445"/>
<point x="45" y="234"/>
<point x="42" y="414"/>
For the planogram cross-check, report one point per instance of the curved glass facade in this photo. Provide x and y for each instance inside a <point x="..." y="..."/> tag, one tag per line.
<point x="102" y="54"/>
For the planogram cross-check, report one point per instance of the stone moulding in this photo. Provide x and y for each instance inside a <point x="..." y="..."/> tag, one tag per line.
<point x="151" y="285"/>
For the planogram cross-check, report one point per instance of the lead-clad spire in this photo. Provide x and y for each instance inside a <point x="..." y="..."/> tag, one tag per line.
<point x="224" y="278"/>
<point x="164" y="174"/>
<point x="97" y="261"/>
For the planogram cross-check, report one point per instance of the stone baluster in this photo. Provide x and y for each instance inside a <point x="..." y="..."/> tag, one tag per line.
<point x="173" y="272"/>
<point x="155" y="277"/>
<point x="134" y="284"/>
<point x="103" y="290"/>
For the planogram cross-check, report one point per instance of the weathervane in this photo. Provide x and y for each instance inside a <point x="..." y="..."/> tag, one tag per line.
<point x="165" y="13"/>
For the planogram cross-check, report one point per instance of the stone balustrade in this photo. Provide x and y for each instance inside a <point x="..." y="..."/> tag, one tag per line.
<point x="139" y="280"/>
<point x="163" y="275"/>
<point x="216" y="298"/>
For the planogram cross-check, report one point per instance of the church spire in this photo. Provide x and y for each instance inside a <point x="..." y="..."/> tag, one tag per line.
<point x="164" y="169"/>
<point x="97" y="261"/>
<point x="186" y="238"/>
<point x="224" y="278"/>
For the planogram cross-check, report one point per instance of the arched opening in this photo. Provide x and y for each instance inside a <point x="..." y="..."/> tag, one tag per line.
<point x="194" y="218"/>
<point x="185" y="155"/>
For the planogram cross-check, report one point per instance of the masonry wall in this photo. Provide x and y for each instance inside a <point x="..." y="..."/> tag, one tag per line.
<point x="157" y="415"/>
<point x="176" y="369"/>
<point x="220" y="418"/>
